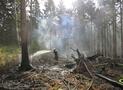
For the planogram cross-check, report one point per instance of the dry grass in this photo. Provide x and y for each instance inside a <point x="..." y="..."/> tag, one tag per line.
<point x="8" y="55"/>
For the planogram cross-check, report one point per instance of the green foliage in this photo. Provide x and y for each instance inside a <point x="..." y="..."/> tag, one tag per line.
<point x="7" y="22"/>
<point x="34" y="13"/>
<point x="7" y="11"/>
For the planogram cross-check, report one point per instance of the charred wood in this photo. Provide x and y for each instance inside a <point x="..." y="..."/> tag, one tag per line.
<point x="81" y="66"/>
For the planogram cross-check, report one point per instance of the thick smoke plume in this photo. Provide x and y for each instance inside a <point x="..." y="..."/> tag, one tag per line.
<point x="62" y="33"/>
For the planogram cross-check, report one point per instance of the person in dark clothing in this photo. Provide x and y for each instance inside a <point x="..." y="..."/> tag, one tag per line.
<point x="55" y="54"/>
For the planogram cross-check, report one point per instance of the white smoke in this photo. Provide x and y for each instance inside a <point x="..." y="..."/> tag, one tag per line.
<point x="62" y="33"/>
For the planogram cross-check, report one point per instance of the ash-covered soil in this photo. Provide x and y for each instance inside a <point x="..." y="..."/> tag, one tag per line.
<point x="49" y="74"/>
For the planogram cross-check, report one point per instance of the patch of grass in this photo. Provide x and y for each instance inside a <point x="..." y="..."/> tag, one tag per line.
<point x="8" y="54"/>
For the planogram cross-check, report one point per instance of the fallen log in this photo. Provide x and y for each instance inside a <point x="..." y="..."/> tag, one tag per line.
<point x="113" y="82"/>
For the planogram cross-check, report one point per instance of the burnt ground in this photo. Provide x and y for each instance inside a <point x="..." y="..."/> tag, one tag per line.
<point x="51" y="75"/>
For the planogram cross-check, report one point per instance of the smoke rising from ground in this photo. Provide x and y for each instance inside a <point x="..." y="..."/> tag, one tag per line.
<point x="62" y="33"/>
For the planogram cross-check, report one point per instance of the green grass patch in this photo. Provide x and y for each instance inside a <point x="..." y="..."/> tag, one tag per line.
<point x="8" y="54"/>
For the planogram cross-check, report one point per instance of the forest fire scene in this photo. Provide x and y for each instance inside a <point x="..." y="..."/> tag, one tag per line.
<point x="61" y="45"/>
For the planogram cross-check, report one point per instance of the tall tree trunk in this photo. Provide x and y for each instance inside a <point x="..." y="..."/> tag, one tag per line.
<point x="121" y="28"/>
<point x="107" y="45"/>
<point x="95" y="39"/>
<point x="105" y="40"/>
<point x="25" y="64"/>
<point x="102" y="41"/>
<point x="99" y="40"/>
<point x="114" y="32"/>
<point x="110" y="40"/>
<point x="91" y="38"/>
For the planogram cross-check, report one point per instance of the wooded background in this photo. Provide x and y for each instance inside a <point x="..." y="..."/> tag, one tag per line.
<point x="101" y="25"/>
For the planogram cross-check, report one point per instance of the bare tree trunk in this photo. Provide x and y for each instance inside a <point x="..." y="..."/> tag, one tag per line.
<point x="114" y="40"/>
<point x="99" y="41"/>
<point x="95" y="40"/>
<point x="105" y="39"/>
<point x="25" y="64"/>
<point x="91" y="36"/>
<point x="108" y="40"/>
<point x="111" y="40"/>
<point x="106" y="31"/>
<point x="102" y="41"/>
<point x="114" y="32"/>
<point x="121" y="28"/>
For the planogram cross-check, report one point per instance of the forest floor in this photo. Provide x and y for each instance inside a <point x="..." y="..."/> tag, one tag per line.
<point x="52" y="75"/>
